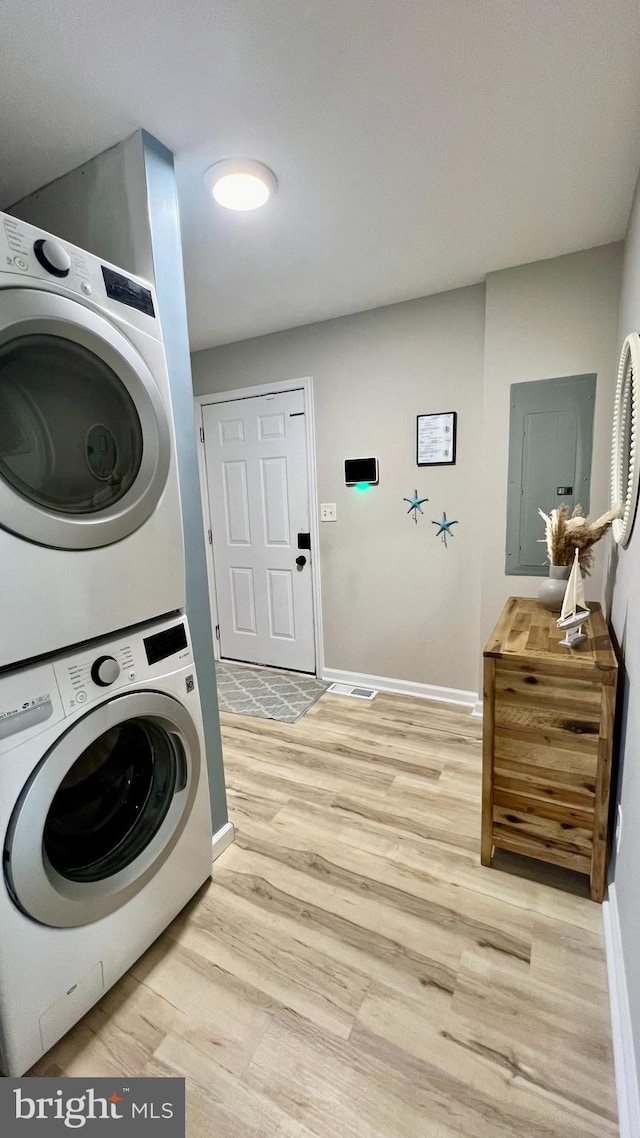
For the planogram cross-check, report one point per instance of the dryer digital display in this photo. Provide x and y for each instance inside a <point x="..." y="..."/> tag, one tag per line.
<point x="127" y="291"/>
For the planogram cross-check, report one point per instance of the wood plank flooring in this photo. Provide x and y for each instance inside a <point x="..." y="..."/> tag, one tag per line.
<point x="352" y="969"/>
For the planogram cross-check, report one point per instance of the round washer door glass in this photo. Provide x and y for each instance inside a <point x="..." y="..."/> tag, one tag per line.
<point x="113" y="801"/>
<point x="70" y="435"/>
<point x="103" y="809"/>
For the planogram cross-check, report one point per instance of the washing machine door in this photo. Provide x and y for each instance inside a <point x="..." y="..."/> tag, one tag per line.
<point x="103" y="810"/>
<point x="84" y="434"/>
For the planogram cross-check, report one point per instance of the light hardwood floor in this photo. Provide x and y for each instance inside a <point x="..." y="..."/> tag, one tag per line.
<point x="352" y="970"/>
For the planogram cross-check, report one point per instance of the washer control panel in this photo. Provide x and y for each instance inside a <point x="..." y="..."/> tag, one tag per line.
<point x="105" y="671"/>
<point x="114" y="664"/>
<point x="29" y="703"/>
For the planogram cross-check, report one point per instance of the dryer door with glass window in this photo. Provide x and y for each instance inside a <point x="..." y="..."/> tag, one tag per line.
<point x="84" y="434"/>
<point x="103" y="810"/>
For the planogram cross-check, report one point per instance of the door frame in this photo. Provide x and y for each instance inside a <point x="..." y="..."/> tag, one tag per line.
<point x="304" y="384"/>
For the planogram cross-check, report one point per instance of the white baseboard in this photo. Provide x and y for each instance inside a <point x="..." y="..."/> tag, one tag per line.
<point x="401" y="687"/>
<point x="223" y="838"/>
<point x="627" y="1089"/>
<point x="477" y="711"/>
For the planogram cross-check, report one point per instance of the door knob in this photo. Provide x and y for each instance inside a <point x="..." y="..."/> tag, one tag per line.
<point x="301" y="562"/>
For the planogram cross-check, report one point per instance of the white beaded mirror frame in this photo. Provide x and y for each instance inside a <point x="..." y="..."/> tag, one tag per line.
<point x="625" y="468"/>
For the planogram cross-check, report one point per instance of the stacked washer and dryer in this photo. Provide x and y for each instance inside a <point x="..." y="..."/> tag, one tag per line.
<point x="104" y="805"/>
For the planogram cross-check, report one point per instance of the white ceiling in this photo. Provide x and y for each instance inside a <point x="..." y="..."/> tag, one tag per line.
<point x="418" y="144"/>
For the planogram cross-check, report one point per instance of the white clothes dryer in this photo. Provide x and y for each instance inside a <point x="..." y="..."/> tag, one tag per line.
<point x="104" y="819"/>
<point x="90" y="523"/>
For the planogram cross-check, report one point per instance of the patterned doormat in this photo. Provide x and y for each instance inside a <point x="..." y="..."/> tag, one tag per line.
<point x="266" y="694"/>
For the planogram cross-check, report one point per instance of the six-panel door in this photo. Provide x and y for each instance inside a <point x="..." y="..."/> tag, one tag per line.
<point x="257" y="480"/>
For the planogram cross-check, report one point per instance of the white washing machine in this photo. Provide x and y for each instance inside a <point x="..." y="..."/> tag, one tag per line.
<point x="90" y="524"/>
<point x="104" y="819"/>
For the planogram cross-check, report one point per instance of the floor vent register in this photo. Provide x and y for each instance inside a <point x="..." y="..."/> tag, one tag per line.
<point x="355" y="693"/>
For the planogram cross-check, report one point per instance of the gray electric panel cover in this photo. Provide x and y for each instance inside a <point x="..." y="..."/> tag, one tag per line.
<point x="550" y="445"/>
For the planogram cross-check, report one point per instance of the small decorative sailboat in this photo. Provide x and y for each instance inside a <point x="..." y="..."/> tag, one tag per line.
<point x="574" y="610"/>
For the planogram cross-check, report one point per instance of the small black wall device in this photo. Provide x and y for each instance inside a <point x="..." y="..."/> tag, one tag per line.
<point x="361" y="470"/>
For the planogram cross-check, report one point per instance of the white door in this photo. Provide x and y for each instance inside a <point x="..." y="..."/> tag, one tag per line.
<point x="257" y="480"/>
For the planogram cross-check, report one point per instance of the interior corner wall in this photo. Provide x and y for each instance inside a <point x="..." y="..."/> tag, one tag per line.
<point x="544" y="320"/>
<point x="396" y="602"/>
<point x="122" y="206"/>
<point x="100" y="206"/>
<point x="625" y="617"/>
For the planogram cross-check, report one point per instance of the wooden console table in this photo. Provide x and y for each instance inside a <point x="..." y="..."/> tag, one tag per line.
<point x="547" y="741"/>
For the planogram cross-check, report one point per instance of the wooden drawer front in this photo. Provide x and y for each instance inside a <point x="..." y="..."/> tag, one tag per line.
<point x="546" y="721"/>
<point x="568" y="830"/>
<point x="563" y="774"/>
<point x="527" y="846"/>
<point x="546" y="785"/>
<point x="558" y="707"/>
<point x="572" y="753"/>
<point x="528" y="685"/>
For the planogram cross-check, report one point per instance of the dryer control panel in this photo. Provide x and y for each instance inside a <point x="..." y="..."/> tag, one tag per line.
<point x="29" y="257"/>
<point x="29" y="253"/>
<point x="115" y="663"/>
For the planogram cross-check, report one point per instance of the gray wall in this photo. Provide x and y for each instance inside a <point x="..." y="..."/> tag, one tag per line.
<point x="123" y="206"/>
<point x="396" y="603"/>
<point x="548" y="319"/>
<point x="625" y="615"/>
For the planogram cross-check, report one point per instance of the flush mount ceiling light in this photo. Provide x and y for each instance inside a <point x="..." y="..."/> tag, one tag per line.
<point x="240" y="183"/>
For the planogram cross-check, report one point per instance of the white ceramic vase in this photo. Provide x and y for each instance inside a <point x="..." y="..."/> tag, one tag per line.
<point x="552" y="590"/>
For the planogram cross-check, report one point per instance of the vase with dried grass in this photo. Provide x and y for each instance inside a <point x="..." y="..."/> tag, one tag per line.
<point x="564" y="533"/>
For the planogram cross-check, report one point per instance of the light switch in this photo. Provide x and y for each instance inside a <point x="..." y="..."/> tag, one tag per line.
<point x="328" y="512"/>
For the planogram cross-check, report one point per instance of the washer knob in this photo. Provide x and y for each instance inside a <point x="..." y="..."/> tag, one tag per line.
<point x="104" y="671"/>
<point x="53" y="257"/>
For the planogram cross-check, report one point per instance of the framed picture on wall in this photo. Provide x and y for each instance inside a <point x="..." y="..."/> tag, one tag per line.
<point x="436" y="439"/>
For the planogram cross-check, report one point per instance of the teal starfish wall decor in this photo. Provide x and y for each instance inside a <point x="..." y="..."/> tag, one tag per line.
<point x="415" y="504"/>
<point x="445" y="528"/>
